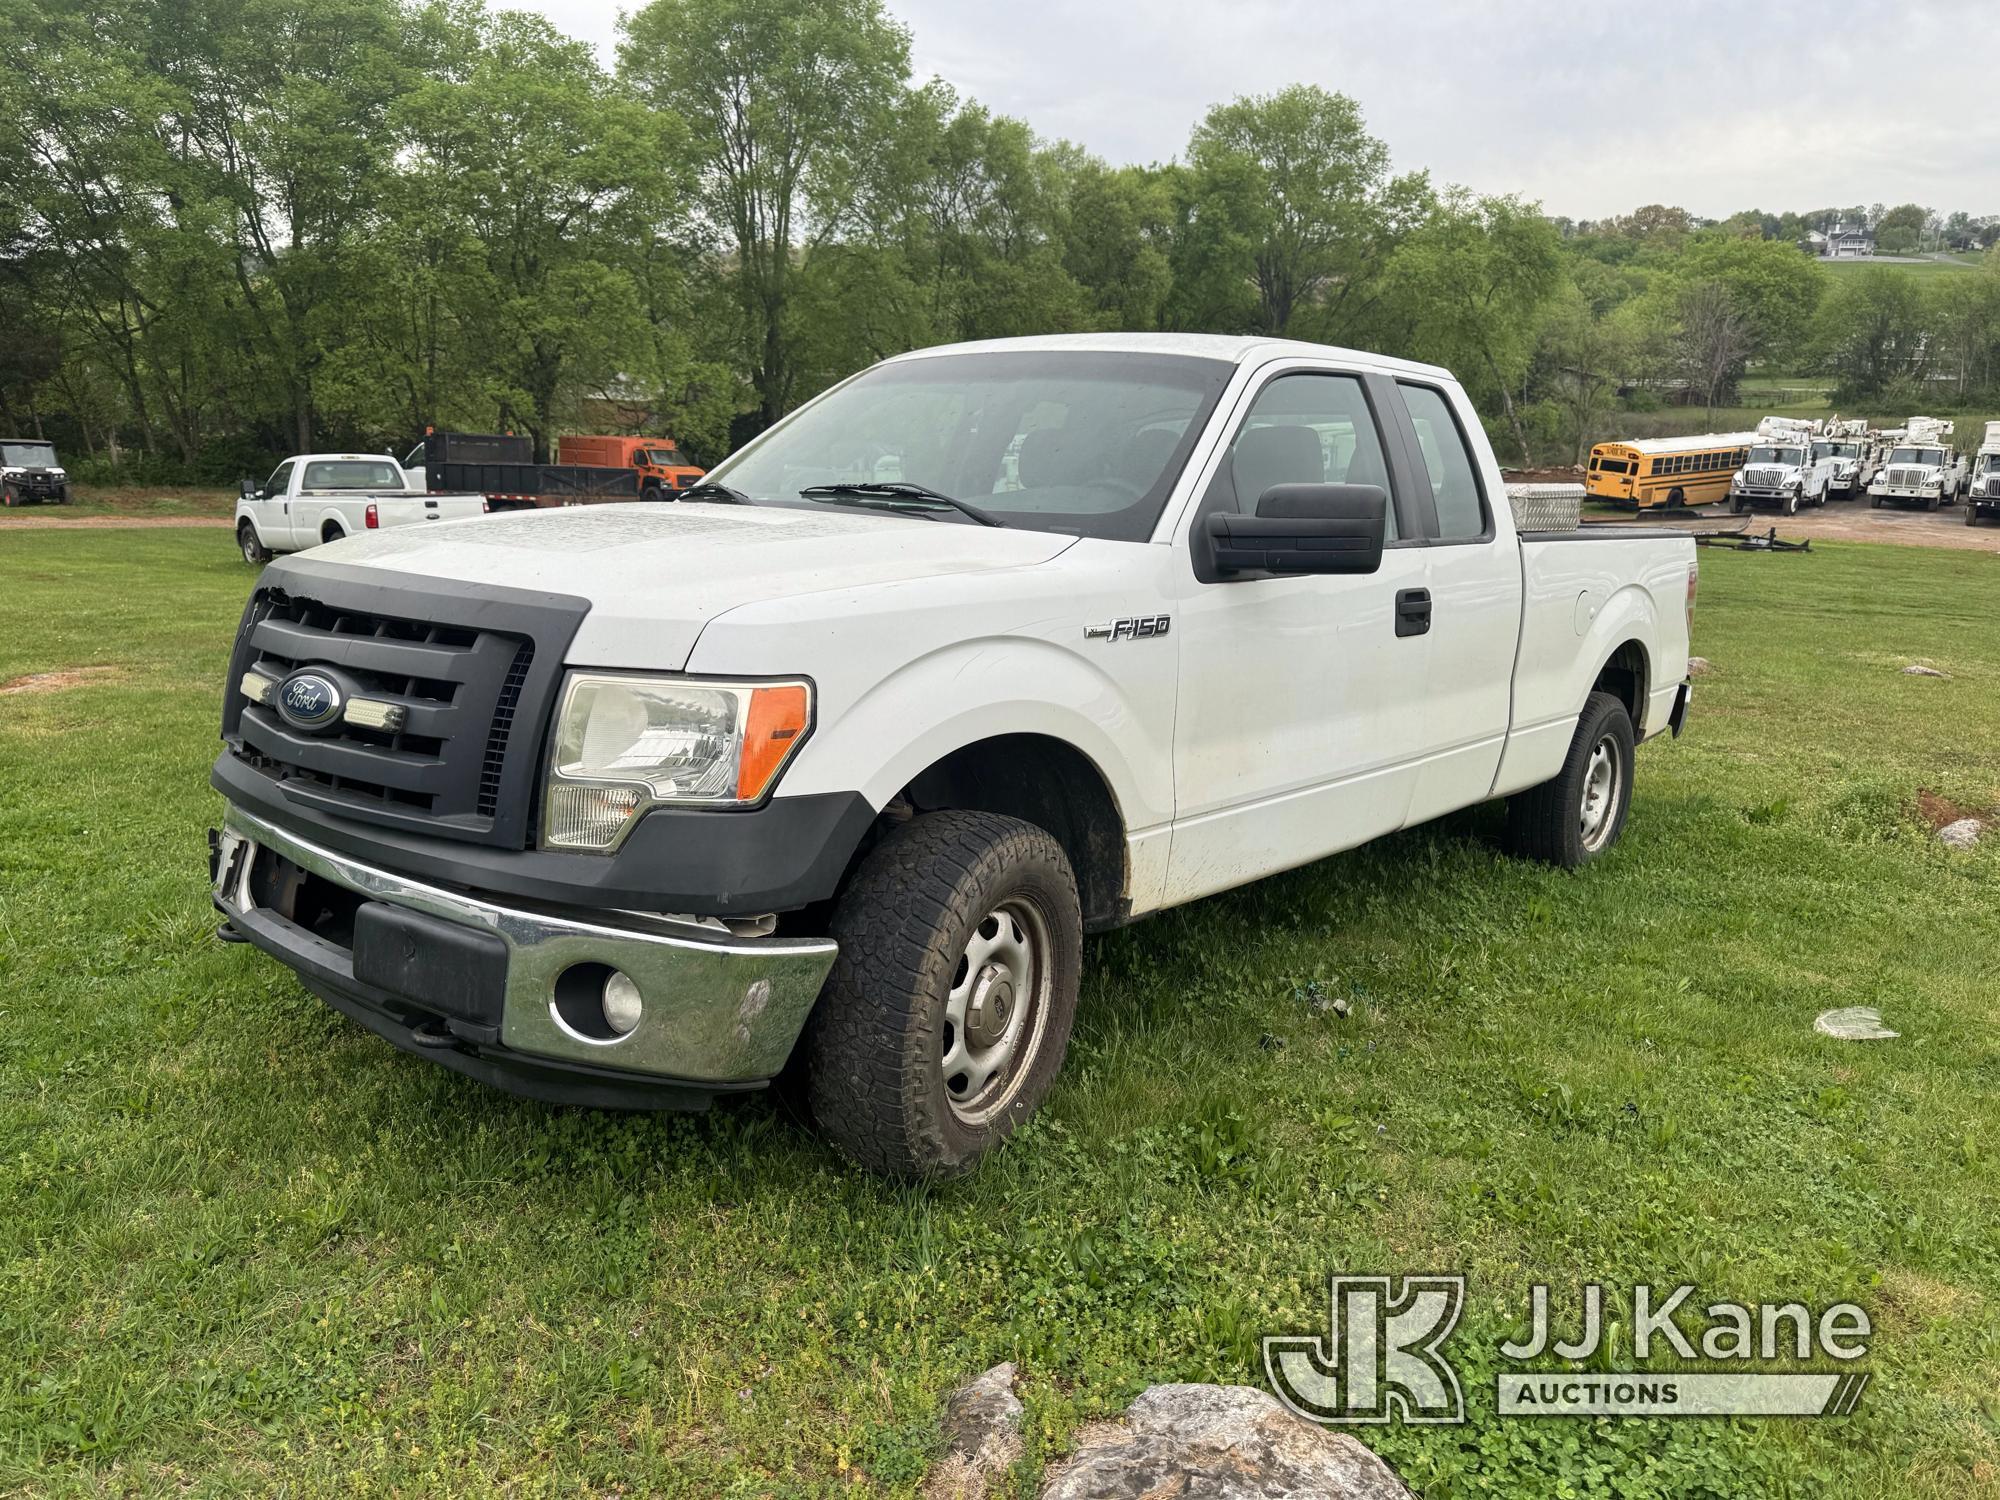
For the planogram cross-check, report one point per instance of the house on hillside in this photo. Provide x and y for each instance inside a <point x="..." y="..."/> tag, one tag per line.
<point x="1841" y="241"/>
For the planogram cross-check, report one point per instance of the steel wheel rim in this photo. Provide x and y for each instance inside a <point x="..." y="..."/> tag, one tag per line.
<point x="1602" y="776"/>
<point x="249" y="544"/>
<point x="996" y="1011"/>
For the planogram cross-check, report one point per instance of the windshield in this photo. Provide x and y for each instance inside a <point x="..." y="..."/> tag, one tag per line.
<point x="1836" y="450"/>
<point x="1774" y="455"/>
<point x="664" y="456"/>
<point x="353" y="474"/>
<point x="28" y="455"/>
<point x="1072" y="441"/>
<point x="1990" y="464"/>
<point x="1930" y="456"/>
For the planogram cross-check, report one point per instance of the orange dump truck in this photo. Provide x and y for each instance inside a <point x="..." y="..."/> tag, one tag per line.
<point x="662" y="467"/>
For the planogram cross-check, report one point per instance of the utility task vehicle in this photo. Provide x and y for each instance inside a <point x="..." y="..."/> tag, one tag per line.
<point x="635" y="805"/>
<point x="312" y="498"/>
<point x="1920" y="468"/>
<point x="1982" y="489"/>
<point x="1780" y="469"/>
<point x="30" y="475"/>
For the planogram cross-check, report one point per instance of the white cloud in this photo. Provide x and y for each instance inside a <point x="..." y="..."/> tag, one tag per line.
<point x="1712" y="104"/>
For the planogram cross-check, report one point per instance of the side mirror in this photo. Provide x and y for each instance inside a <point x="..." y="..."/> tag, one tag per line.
<point x="1304" y="528"/>
<point x="249" y="489"/>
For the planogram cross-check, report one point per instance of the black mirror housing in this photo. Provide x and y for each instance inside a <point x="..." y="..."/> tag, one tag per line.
<point x="1304" y="528"/>
<point x="247" y="489"/>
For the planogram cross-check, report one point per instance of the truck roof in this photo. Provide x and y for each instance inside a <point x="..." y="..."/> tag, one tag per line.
<point x="1235" y="348"/>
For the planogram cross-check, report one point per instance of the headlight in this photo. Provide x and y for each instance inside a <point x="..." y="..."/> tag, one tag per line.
<point x="626" y="744"/>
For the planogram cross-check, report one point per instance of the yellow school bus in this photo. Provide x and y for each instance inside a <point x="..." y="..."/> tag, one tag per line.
<point x="1666" y="471"/>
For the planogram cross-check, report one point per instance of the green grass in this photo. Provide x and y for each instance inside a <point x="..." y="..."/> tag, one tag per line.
<point x="244" y="1245"/>
<point x="1926" y="267"/>
<point x="138" y="500"/>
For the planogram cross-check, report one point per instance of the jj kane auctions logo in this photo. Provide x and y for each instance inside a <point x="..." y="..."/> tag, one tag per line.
<point x="1383" y="1357"/>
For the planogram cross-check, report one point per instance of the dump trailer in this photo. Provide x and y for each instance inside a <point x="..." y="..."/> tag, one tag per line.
<point x="502" y="467"/>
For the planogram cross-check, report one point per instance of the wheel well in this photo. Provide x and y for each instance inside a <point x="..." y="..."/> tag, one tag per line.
<point x="1050" y="784"/>
<point x="1624" y="677"/>
<point x="331" y="531"/>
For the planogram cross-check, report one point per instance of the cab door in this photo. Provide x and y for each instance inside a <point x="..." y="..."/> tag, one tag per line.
<point x="271" y="507"/>
<point x="1301" y="713"/>
<point x="1473" y="573"/>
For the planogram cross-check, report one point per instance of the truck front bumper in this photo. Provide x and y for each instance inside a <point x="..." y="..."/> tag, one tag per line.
<point x="510" y="993"/>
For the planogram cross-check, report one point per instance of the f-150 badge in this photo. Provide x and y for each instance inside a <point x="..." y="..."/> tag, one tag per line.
<point x="1132" y="628"/>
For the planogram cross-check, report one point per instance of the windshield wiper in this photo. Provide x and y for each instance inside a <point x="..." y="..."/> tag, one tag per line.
<point x="898" y="493"/>
<point x="713" y="493"/>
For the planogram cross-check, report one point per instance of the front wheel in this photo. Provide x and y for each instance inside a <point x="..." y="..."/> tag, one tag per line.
<point x="1792" y="503"/>
<point x="948" y="1010"/>
<point x="1579" y="813"/>
<point x="1738" y="505"/>
<point x="253" y="550"/>
<point x="1930" y="502"/>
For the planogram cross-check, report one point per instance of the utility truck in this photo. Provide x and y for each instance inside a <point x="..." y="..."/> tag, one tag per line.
<point x="1840" y="453"/>
<point x="659" y="464"/>
<point x="1982" y="489"/>
<point x="1920" y="467"/>
<point x="313" y="498"/>
<point x="1779" y="469"/>
<point x="637" y="805"/>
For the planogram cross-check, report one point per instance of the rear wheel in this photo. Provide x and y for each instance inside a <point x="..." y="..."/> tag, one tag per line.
<point x="948" y="1010"/>
<point x="253" y="550"/>
<point x="1579" y="813"/>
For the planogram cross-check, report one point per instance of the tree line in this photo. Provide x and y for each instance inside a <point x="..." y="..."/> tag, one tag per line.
<point x="231" y="229"/>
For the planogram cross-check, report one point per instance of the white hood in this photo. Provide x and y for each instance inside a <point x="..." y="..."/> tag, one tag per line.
<point x="655" y="574"/>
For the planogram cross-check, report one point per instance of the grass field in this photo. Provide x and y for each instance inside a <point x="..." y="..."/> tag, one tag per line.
<point x="136" y="500"/>
<point x="244" y="1245"/>
<point x="1939" y="266"/>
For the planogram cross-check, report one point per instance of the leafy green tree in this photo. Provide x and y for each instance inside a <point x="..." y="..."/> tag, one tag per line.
<point x="542" y="180"/>
<point x="1584" y="358"/>
<point x="1471" y="285"/>
<point x="1335" y="215"/>
<point x="1773" y="288"/>
<point x="791" y="108"/>
<point x="1871" y="332"/>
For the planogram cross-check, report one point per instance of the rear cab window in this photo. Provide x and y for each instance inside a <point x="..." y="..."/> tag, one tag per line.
<point x="353" y="474"/>
<point x="1446" y="460"/>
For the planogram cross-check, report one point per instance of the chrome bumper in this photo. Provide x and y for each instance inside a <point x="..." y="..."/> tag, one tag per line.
<point x="716" y="1008"/>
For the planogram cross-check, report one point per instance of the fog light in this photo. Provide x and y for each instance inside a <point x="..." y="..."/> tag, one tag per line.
<point x="621" y="1003"/>
<point x="595" y="1003"/>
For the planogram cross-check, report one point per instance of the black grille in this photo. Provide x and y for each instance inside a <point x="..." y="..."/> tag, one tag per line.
<point x="466" y="667"/>
<point x="503" y="725"/>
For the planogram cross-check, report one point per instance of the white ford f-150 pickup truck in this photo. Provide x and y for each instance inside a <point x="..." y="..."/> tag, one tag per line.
<point x="314" y="498"/>
<point x="834" y="763"/>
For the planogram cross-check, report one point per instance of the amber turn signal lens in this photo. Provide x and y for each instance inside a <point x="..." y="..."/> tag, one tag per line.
<point x="775" y="725"/>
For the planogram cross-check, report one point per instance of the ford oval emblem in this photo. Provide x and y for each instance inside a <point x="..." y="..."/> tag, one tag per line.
<point x="310" y="701"/>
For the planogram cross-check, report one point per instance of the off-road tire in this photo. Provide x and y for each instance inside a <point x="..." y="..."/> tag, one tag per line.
<point x="874" y="1044"/>
<point x="1546" y="822"/>
<point x="254" y="551"/>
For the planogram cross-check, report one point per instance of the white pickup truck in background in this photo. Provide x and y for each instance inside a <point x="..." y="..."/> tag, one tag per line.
<point x="314" y="498"/>
<point x="834" y="763"/>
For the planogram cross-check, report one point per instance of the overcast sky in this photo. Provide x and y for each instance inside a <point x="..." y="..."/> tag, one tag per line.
<point x="1715" y="105"/>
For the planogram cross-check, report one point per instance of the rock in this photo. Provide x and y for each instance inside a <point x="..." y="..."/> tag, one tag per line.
<point x="1855" y="1023"/>
<point x="1698" y="666"/>
<point x="1964" y="834"/>
<point x="1220" y="1443"/>
<point x="982" y="1428"/>
<point x="1917" y="669"/>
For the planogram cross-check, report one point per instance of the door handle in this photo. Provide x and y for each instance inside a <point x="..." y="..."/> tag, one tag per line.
<point x="1413" y="611"/>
